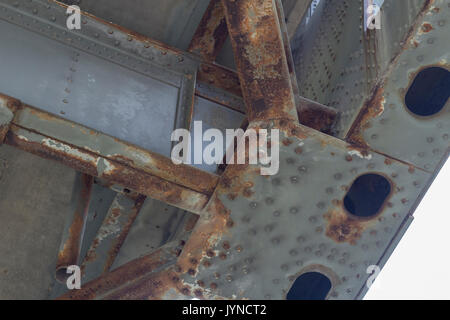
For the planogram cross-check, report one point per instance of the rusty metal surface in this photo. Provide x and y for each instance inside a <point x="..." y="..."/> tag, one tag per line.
<point x="316" y="115"/>
<point x="69" y="252"/>
<point x="6" y="115"/>
<point x="252" y="221"/>
<point x="40" y="122"/>
<point x="129" y="273"/>
<point x="261" y="59"/>
<point x="254" y="235"/>
<point x="384" y="123"/>
<point x="111" y="235"/>
<point x="89" y="163"/>
<point x="259" y="220"/>
<point x="211" y="33"/>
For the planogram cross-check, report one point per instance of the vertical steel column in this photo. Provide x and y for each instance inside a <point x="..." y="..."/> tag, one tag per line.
<point x="211" y="33"/>
<point x="260" y="58"/>
<point x="69" y="252"/>
<point x="111" y="235"/>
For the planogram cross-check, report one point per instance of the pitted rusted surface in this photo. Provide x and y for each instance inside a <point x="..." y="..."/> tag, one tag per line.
<point x="269" y="219"/>
<point x="316" y="116"/>
<point x="374" y="104"/>
<point x="211" y="32"/>
<point x="8" y="107"/>
<point x="112" y="233"/>
<point x="385" y="123"/>
<point x="372" y="108"/>
<point x="261" y="60"/>
<point x="220" y="77"/>
<point x="87" y="154"/>
<point x="114" y="149"/>
<point x="126" y="274"/>
<point x="92" y="164"/>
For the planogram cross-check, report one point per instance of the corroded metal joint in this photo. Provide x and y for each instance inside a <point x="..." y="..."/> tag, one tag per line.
<point x="8" y="106"/>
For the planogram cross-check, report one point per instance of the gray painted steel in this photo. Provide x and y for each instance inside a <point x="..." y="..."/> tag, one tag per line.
<point x="280" y="231"/>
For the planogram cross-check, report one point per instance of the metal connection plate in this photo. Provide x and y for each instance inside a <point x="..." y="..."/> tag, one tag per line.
<point x="294" y="222"/>
<point x="96" y="76"/>
<point x="338" y="62"/>
<point x="389" y="127"/>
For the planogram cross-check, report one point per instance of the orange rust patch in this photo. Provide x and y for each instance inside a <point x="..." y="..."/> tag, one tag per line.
<point x="344" y="228"/>
<point x="211" y="32"/>
<point x="372" y="109"/>
<point x="426" y="27"/>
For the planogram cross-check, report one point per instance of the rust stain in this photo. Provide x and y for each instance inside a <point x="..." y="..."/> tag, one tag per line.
<point x="314" y="116"/>
<point x="344" y="228"/>
<point x="205" y="234"/>
<point x="126" y="273"/>
<point x="260" y="60"/>
<point x="153" y="163"/>
<point x="374" y="105"/>
<point x="70" y="252"/>
<point x="426" y="27"/>
<point x="219" y="77"/>
<point x="372" y="109"/>
<point x="184" y="175"/>
<point x="140" y="181"/>
<point x="211" y="32"/>
<point x="118" y="242"/>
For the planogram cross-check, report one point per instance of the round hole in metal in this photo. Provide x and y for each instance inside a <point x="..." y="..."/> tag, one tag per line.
<point x="367" y="195"/>
<point x="310" y="286"/>
<point x="428" y="92"/>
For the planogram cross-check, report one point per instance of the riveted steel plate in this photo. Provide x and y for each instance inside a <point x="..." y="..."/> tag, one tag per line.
<point x="295" y="222"/>
<point x="98" y="76"/>
<point x="171" y="21"/>
<point x="393" y="129"/>
<point x="338" y="62"/>
<point x="329" y="58"/>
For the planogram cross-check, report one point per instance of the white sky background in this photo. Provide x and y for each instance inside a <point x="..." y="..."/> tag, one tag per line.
<point x="419" y="267"/>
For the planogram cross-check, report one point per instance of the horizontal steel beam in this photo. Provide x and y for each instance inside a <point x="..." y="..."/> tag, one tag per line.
<point x="106" y="157"/>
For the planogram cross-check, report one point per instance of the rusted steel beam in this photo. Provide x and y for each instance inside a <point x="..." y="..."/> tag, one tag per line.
<point x="109" y="148"/>
<point x="111" y="170"/>
<point x="220" y="77"/>
<point x="129" y="273"/>
<point x="211" y="33"/>
<point x="6" y="115"/>
<point x="261" y="59"/>
<point x="69" y="252"/>
<point x="316" y="115"/>
<point x="111" y="235"/>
